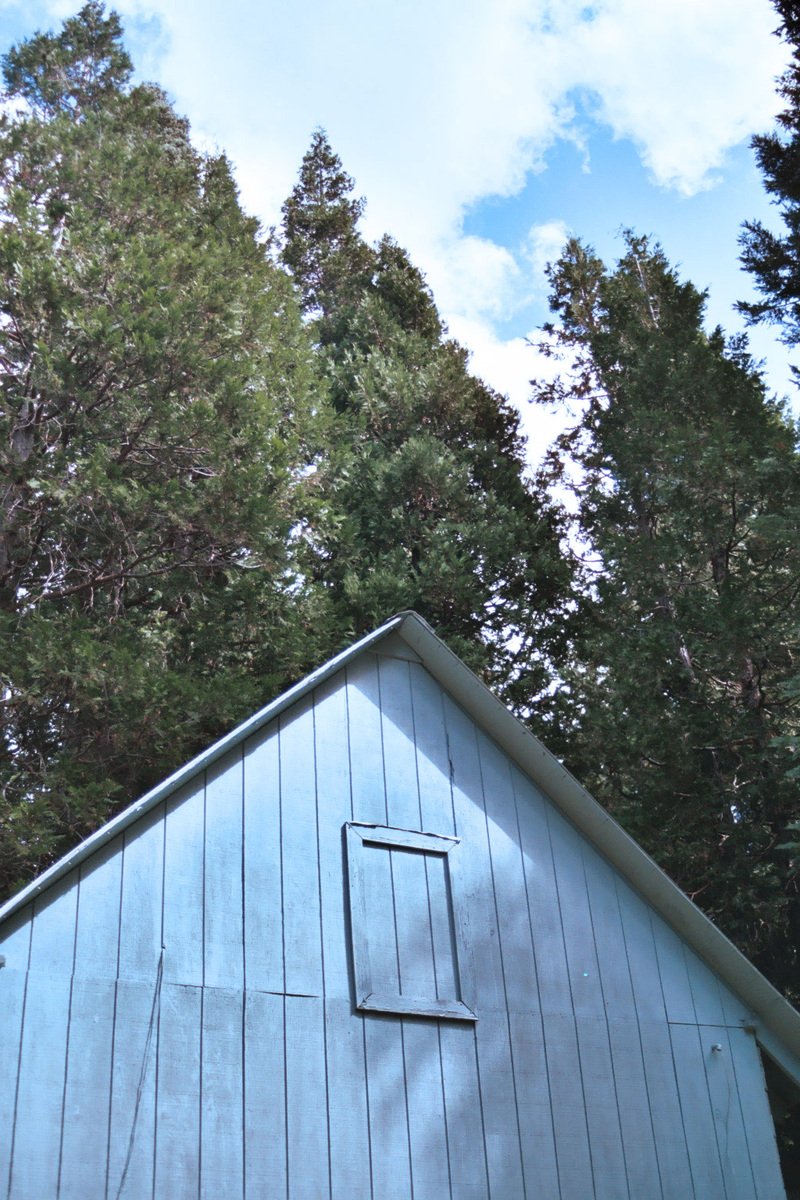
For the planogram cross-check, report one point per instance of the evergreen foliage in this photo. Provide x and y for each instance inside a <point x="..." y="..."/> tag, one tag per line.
<point x="154" y="400"/>
<point x="419" y="500"/>
<point x="680" y="696"/>
<point x="774" y="258"/>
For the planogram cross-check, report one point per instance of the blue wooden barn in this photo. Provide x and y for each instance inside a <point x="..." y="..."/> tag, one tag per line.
<point x="377" y="944"/>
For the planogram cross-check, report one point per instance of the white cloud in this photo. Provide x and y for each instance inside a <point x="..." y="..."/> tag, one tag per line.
<point x="510" y="365"/>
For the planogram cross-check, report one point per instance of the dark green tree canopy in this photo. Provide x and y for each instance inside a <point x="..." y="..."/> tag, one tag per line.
<point x="774" y="258"/>
<point x="83" y="67"/>
<point x="154" y="399"/>
<point x="688" y="488"/>
<point x="421" y="500"/>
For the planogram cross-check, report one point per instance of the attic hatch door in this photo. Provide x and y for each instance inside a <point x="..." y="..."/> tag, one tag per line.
<point x="405" y="935"/>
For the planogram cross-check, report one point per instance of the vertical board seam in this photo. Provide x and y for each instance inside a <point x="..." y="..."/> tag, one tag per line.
<point x="322" y="943"/>
<point x="69" y="1033"/>
<point x="650" y="916"/>
<point x="502" y="965"/>
<point x="536" y="973"/>
<point x="639" y="1035"/>
<point x="571" y="995"/>
<point x="605" y="1019"/>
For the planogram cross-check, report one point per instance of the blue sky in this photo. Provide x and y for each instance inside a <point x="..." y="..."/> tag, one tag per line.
<point x="481" y="134"/>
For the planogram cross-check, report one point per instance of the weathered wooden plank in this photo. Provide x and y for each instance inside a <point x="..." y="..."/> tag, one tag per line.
<point x="223" y="921"/>
<point x="440" y="900"/>
<point x="177" y="1165"/>
<point x="473" y="898"/>
<point x="300" y="866"/>
<point x="374" y="931"/>
<point x="306" y="1100"/>
<point x="727" y="1114"/>
<point x="412" y="921"/>
<point x="12" y="1002"/>
<point x="508" y="875"/>
<point x="264" y="1097"/>
<point x="665" y="1108"/>
<point x="535" y="1108"/>
<point x="541" y="897"/>
<point x="87" y="1092"/>
<point x="347" y="1090"/>
<point x="184" y="883"/>
<point x="333" y="809"/>
<point x="221" y="1133"/>
<point x="15" y="939"/>
<point x="399" y="753"/>
<point x="433" y="762"/>
<point x="263" y="898"/>
<point x="634" y="1108"/>
<point x="602" y="1114"/>
<point x="53" y="935"/>
<point x="34" y="1167"/>
<point x="696" y="1107"/>
<point x="365" y="738"/>
<point x="465" y="1134"/>
<point x="705" y="988"/>
<point x="499" y="1102"/>
<point x="759" y="1128"/>
<point x="641" y="953"/>
<point x="569" y="1109"/>
<point x="426" y="1111"/>
<point x="388" y="1111"/>
<point x="673" y="973"/>
<point x="99" y="904"/>
<point x="478" y="917"/>
<point x="609" y="937"/>
<point x="142" y="897"/>
<point x="131" y="1130"/>
<point x="573" y="901"/>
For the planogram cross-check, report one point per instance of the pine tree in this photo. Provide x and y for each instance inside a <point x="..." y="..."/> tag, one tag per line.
<point x="419" y="500"/>
<point x="688" y="483"/>
<point x="154" y="385"/>
<point x="774" y="258"/>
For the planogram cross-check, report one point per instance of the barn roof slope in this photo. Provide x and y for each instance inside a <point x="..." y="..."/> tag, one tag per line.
<point x="775" y="1022"/>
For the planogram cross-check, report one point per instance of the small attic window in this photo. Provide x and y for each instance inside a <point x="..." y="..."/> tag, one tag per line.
<point x="404" y="930"/>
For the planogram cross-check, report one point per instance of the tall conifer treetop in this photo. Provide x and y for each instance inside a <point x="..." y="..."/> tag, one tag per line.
<point x="680" y="690"/>
<point x="154" y="375"/>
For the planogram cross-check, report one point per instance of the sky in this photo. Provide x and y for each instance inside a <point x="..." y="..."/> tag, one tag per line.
<point x="482" y="133"/>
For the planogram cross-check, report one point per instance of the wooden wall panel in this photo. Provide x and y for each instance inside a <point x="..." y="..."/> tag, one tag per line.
<point x="40" y="1098"/>
<point x="177" y="1142"/>
<point x="264" y="1096"/>
<point x="221" y="1093"/>
<point x="15" y="939"/>
<point x="184" y="885"/>
<point x="87" y="1091"/>
<point x="52" y="949"/>
<point x="223" y="901"/>
<point x="302" y="947"/>
<point x="466" y="1135"/>
<point x="234" y="1061"/>
<point x="132" y="1121"/>
<point x="98" y="915"/>
<point x="12" y="1003"/>
<point x="142" y="898"/>
<point x="306" y="1100"/>
<point x="759" y="1129"/>
<point x="263" y="894"/>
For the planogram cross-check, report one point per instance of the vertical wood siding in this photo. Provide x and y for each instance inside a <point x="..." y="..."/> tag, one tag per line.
<point x="178" y="1017"/>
